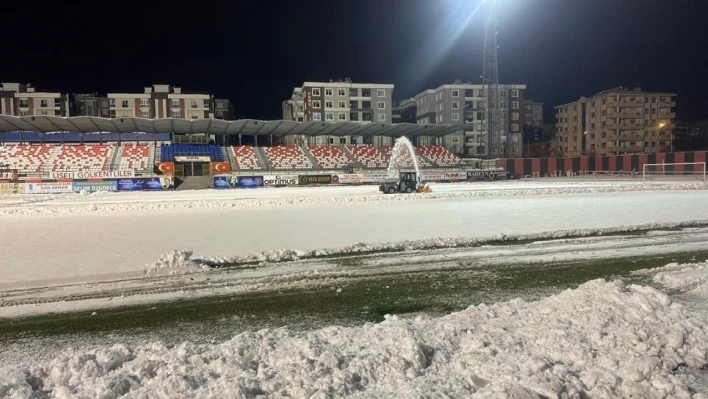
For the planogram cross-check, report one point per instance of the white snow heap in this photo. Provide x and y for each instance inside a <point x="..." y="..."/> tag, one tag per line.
<point x="174" y="262"/>
<point x="602" y="340"/>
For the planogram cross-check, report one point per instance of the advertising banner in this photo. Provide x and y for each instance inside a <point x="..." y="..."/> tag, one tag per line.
<point x="146" y="183"/>
<point x="224" y="182"/>
<point x="373" y="177"/>
<point x="94" y="174"/>
<point x="452" y="176"/>
<point x="305" y="180"/>
<point x="487" y="174"/>
<point x="218" y="168"/>
<point x="347" y="179"/>
<point x="12" y="188"/>
<point x="8" y="174"/>
<point x="250" y="181"/>
<point x="92" y="187"/>
<point x="432" y="176"/>
<point x="166" y="168"/>
<point x="48" y="188"/>
<point x="192" y="158"/>
<point x="280" y="180"/>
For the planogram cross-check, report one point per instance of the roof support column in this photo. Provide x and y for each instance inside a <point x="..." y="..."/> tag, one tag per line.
<point x="240" y="137"/>
<point x="271" y="139"/>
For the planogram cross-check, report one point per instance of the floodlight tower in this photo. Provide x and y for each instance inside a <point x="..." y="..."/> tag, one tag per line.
<point x="493" y="124"/>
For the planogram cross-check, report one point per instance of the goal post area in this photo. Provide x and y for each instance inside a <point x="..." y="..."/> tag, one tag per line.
<point x="682" y="171"/>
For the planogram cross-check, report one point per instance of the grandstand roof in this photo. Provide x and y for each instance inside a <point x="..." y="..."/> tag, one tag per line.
<point x="246" y="127"/>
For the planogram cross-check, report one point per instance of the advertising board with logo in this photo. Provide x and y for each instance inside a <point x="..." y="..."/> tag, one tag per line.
<point x="487" y="174"/>
<point x="192" y="158"/>
<point x="454" y="176"/>
<point x="92" y="187"/>
<point x="347" y="179"/>
<point x="224" y="182"/>
<point x="280" y="180"/>
<point x="94" y="174"/>
<point x="12" y="188"/>
<point x="146" y="183"/>
<point x="305" y="180"/>
<point x="373" y="177"/>
<point x="432" y="176"/>
<point x="48" y="188"/>
<point x="8" y="174"/>
<point x="249" y="181"/>
<point x="166" y="168"/>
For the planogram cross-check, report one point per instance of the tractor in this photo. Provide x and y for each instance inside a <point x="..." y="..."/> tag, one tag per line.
<point x="407" y="182"/>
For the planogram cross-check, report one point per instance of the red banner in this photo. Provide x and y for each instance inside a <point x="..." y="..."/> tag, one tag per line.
<point x="219" y="168"/>
<point x="166" y="168"/>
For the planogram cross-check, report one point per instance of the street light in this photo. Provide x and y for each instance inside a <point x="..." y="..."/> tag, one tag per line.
<point x="661" y="126"/>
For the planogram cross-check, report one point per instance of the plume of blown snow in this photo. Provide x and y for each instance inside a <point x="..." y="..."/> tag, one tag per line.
<point x="174" y="262"/>
<point x="601" y="340"/>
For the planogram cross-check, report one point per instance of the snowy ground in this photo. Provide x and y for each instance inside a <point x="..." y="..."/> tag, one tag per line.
<point x="602" y="340"/>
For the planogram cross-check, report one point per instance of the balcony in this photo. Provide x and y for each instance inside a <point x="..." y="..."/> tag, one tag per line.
<point x="630" y="127"/>
<point x="631" y="137"/>
<point x="635" y="104"/>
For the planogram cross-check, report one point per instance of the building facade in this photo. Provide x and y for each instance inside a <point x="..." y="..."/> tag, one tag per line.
<point x="92" y="104"/>
<point x="464" y="104"/>
<point x="533" y="114"/>
<point x="616" y="121"/>
<point x="161" y="101"/>
<point x="23" y="100"/>
<point x="224" y="109"/>
<point x="405" y="111"/>
<point x="340" y="101"/>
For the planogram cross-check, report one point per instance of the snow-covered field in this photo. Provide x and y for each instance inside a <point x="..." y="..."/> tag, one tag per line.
<point x="604" y="339"/>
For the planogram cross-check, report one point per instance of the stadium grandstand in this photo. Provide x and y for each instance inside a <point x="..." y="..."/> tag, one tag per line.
<point x="39" y="146"/>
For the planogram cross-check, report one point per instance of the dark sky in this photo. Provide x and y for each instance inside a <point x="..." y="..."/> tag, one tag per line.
<point x="255" y="52"/>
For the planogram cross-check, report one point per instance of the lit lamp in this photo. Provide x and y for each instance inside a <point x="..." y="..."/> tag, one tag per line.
<point x="661" y="126"/>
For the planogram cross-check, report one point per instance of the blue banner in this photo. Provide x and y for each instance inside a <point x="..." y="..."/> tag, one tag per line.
<point x="92" y="187"/>
<point x="224" y="182"/>
<point x="146" y="183"/>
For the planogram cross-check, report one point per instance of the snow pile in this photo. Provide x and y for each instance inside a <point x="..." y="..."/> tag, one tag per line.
<point x="296" y="199"/>
<point x="285" y="255"/>
<point x="679" y="276"/>
<point x="174" y="262"/>
<point x="602" y="340"/>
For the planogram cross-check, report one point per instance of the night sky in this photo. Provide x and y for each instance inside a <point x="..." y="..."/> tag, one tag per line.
<point x="255" y="52"/>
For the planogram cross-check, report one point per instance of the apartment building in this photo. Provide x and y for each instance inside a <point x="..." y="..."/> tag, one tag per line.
<point x="533" y="114"/>
<point x="23" y="100"/>
<point x="405" y="111"/>
<point x="340" y="101"/>
<point x="616" y="121"/>
<point x="161" y="101"/>
<point x="92" y="104"/>
<point x="224" y="109"/>
<point x="464" y="104"/>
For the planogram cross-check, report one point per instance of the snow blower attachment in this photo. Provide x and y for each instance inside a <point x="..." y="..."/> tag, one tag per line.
<point x="407" y="182"/>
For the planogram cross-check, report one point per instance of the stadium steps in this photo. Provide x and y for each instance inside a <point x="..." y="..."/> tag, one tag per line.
<point x="156" y="156"/>
<point x="352" y="158"/>
<point x="310" y="157"/>
<point x="229" y="154"/>
<point x="262" y="158"/>
<point x="194" y="183"/>
<point x="116" y="157"/>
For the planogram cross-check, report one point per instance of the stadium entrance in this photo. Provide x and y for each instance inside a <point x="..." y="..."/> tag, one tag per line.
<point x="191" y="165"/>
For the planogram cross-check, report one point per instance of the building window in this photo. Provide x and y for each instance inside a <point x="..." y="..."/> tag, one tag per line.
<point x="144" y="114"/>
<point x="366" y="116"/>
<point x="353" y="92"/>
<point x="514" y="116"/>
<point x="515" y="93"/>
<point x="176" y="113"/>
<point x="366" y="92"/>
<point x="24" y="113"/>
<point x="341" y="92"/>
<point x="342" y="116"/>
<point x="455" y="116"/>
<point x="381" y="105"/>
<point x="514" y="127"/>
<point x="316" y="104"/>
<point x="24" y="103"/>
<point x="143" y="102"/>
<point x="353" y="116"/>
<point x="328" y="92"/>
<point x="315" y="91"/>
<point x="124" y="103"/>
<point x="193" y="104"/>
<point x="342" y="104"/>
<point x="455" y="105"/>
<point x="195" y="115"/>
<point x="316" y="116"/>
<point x="175" y="103"/>
<point x="381" y="93"/>
<point x="43" y="103"/>
<point x="329" y="116"/>
<point x="207" y="103"/>
<point x="455" y="93"/>
<point x="514" y="105"/>
<point x="381" y="117"/>
<point x="221" y="106"/>
<point x="353" y="104"/>
<point x="366" y="104"/>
